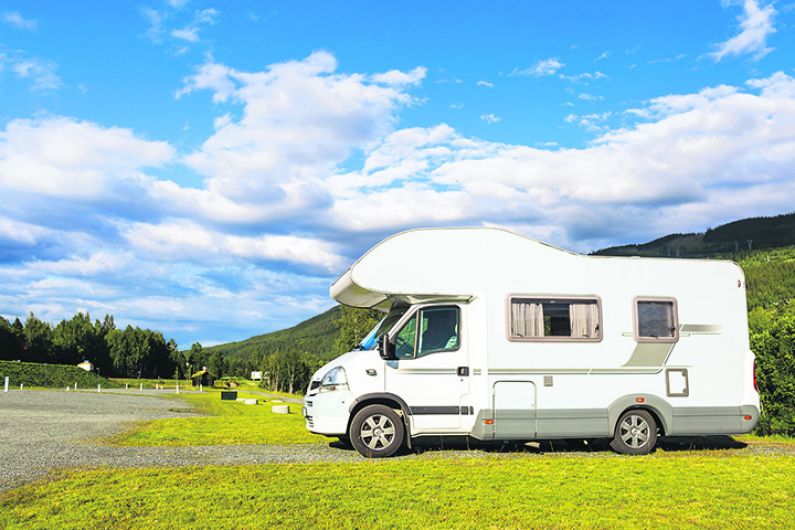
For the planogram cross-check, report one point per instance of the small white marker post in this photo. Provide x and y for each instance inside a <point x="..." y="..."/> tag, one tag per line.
<point x="177" y="387"/>
<point x="126" y="386"/>
<point x="99" y="388"/>
<point x="201" y="387"/>
<point x="5" y="385"/>
<point x="67" y="389"/>
<point x="75" y="386"/>
<point x="21" y="386"/>
<point x="141" y="387"/>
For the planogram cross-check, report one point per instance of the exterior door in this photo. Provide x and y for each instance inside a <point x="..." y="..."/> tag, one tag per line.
<point x="431" y="373"/>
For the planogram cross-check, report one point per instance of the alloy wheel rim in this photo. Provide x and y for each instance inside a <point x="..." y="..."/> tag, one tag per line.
<point x="635" y="431"/>
<point x="377" y="432"/>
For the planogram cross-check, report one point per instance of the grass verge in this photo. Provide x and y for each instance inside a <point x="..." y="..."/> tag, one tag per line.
<point x="222" y="423"/>
<point x="665" y="491"/>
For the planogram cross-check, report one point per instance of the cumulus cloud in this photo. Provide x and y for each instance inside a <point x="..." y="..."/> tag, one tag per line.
<point x="14" y="18"/>
<point x="64" y="157"/>
<point x="306" y="167"/>
<point x="756" y="25"/>
<point x="490" y="118"/>
<point x="300" y="119"/>
<point x="544" y="67"/>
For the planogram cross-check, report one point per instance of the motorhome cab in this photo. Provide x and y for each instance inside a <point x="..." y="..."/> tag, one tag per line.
<point x="491" y="335"/>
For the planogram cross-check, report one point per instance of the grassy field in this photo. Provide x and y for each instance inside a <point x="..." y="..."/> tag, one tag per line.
<point x="223" y="423"/>
<point x="494" y="491"/>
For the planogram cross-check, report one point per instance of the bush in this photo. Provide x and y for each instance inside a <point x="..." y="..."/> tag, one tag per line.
<point x="773" y="342"/>
<point x="51" y="375"/>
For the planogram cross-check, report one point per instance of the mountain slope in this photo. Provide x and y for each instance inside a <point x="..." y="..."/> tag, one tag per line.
<point x="741" y="236"/>
<point x="315" y="335"/>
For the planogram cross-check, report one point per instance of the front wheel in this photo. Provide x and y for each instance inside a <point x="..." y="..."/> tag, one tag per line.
<point x="377" y="431"/>
<point x="636" y="433"/>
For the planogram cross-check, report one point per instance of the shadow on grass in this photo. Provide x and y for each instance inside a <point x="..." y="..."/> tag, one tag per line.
<point x="599" y="445"/>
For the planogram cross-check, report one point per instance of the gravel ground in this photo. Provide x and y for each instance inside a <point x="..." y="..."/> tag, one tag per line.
<point x="44" y="430"/>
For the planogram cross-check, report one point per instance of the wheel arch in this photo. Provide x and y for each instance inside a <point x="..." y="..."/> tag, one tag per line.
<point x="657" y="407"/>
<point x="381" y="398"/>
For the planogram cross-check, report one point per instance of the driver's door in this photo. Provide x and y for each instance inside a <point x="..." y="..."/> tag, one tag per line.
<point x="431" y="372"/>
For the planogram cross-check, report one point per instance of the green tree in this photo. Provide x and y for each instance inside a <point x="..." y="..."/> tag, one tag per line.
<point x="38" y="340"/>
<point x="774" y="347"/>
<point x="354" y="324"/>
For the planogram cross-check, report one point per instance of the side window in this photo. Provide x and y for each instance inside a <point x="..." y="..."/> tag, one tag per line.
<point x="406" y="339"/>
<point x="438" y="331"/>
<point x="554" y="319"/>
<point x="656" y="320"/>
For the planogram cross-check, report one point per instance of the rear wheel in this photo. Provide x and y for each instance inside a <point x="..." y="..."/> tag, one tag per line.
<point x="636" y="433"/>
<point x="377" y="431"/>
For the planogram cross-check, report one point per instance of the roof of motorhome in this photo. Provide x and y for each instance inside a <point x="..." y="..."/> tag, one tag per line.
<point x="460" y="262"/>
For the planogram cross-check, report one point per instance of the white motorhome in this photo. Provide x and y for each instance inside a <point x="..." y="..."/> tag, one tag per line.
<point x="494" y="336"/>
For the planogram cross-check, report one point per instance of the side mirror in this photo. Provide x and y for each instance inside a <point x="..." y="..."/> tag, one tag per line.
<point x="386" y="349"/>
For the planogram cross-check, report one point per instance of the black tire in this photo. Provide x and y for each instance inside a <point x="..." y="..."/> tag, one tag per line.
<point x="636" y="433"/>
<point x="377" y="431"/>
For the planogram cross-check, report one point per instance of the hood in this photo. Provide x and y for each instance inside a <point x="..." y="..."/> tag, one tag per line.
<point x="347" y="360"/>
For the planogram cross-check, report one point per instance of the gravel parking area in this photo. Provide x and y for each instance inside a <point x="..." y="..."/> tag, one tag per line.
<point x="43" y="430"/>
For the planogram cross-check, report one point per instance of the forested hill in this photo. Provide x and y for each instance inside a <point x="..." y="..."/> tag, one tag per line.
<point x="737" y="237"/>
<point x="316" y="336"/>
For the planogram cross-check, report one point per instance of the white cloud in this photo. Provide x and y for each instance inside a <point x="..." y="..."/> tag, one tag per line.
<point x="756" y="25"/>
<point x="396" y="77"/>
<point x="42" y="73"/>
<point x="589" y="97"/>
<point x="67" y="158"/>
<point x="300" y="120"/>
<point x="183" y="239"/>
<point x="15" y="19"/>
<point x="541" y="68"/>
<point x="484" y="83"/>
<point x="490" y="118"/>
<point x="697" y="151"/>
<point x="602" y="56"/>
<point x="188" y="34"/>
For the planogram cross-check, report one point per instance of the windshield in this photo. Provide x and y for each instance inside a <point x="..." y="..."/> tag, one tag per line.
<point x="370" y="340"/>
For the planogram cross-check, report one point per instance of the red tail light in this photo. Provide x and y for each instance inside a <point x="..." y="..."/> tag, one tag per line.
<point x="756" y="387"/>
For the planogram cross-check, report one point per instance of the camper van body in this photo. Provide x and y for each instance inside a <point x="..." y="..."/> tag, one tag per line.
<point x="664" y="336"/>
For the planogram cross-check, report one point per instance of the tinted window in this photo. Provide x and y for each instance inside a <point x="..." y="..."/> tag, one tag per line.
<point x="656" y="319"/>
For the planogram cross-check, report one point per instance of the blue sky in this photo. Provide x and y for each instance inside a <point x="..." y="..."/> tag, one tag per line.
<point x="208" y="169"/>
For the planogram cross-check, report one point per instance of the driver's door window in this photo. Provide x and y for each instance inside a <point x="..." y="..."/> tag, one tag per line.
<point x="438" y="332"/>
<point x="406" y="337"/>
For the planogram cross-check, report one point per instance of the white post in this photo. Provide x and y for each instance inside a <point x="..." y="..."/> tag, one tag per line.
<point x="201" y="387"/>
<point x="75" y="386"/>
<point x="67" y="389"/>
<point x="5" y="385"/>
<point x="21" y="386"/>
<point x="141" y="387"/>
<point x="99" y="388"/>
<point x="177" y="387"/>
<point x="126" y="386"/>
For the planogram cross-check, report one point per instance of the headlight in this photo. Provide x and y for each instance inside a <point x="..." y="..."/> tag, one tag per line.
<point x="334" y="380"/>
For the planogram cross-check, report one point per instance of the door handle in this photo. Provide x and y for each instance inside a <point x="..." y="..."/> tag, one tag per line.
<point x="463" y="371"/>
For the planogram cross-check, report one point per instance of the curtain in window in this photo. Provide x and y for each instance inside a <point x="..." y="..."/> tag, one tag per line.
<point x="584" y="320"/>
<point x="527" y="319"/>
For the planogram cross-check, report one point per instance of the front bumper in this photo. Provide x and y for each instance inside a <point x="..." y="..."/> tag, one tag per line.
<point x="327" y="413"/>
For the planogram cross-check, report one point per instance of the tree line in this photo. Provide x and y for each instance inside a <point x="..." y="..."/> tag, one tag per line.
<point x="128" y="352"/>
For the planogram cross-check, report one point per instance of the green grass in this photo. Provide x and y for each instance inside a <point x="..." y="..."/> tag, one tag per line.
<point x="224" y="423"/>
<point x="494" y="491"/>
